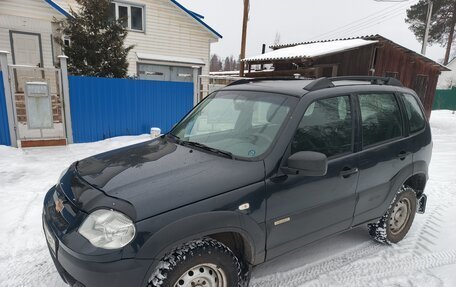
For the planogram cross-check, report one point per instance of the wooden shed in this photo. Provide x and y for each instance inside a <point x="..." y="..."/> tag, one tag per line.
<point x="372" y="55"/>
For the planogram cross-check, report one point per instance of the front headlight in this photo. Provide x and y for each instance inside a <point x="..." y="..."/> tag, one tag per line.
<point x="108" y="229"/>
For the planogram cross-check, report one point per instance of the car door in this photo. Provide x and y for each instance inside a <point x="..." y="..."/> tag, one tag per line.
<point x="302" y="209"/>
<point x="385" y="152"/>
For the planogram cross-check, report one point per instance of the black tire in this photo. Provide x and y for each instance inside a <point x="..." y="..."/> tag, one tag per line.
<point x="203" y="252"/>
<point x="398" y="219"/>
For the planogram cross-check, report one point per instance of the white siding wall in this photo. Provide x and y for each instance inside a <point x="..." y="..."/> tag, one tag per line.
<point x="32" y="16"/>
<point x="169" y="31"/>
<point x="448" y="79"/>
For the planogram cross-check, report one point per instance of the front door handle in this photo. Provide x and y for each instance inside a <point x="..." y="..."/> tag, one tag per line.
<point x="403" y="154"/>
<point x="347" y="172"/>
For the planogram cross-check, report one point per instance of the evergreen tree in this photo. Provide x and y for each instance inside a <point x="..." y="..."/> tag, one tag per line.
<point x="216" y="63"/>
<point x="96" y="45"/>
<point x="443" y="22"/>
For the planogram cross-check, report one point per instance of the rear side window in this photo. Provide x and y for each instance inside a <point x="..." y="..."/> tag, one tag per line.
<point x="326" y="127"/>
<point x="381" y="118"/>
<point x="414" y="114"/>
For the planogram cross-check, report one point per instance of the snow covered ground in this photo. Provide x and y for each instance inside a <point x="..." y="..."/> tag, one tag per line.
<point x="426" y="257"/>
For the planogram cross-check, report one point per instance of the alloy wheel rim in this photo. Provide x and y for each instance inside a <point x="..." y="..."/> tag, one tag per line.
<point x="400" y="216"/>
<point x="202" y="275"/>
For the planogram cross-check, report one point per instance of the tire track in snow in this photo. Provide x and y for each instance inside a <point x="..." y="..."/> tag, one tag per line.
<point x="425" y="239"/>
<point x="368" y="263"/>
<point x="314" y="270"/>
<point x="360" y="272"/>
<point x="371" y="272"/>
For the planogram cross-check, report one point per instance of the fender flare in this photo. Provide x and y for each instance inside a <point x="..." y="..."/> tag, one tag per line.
<point x="204" y="224"/>
<point x="419" y="167"/>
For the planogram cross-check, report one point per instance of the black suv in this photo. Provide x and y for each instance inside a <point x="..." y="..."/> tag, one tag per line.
<point x="257" y="169"/>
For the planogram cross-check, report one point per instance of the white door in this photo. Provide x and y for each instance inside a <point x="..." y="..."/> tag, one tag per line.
<point x="26" y="49"/>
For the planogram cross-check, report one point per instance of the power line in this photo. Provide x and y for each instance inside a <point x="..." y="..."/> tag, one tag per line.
<point x="373" y="23"/>
<point x="353" y="22"/>
<point x="365" y="22"/>
<point x="384" y="19"/>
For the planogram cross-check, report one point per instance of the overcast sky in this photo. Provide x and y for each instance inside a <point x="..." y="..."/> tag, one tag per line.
<point x="302" y="20"/>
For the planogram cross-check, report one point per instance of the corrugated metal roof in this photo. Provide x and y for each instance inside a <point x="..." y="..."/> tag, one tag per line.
<point x="311" y="50"/>
<point x="366" y="37"/>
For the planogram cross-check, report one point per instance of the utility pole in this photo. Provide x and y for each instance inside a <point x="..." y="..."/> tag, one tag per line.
<point x="428" y="24"/>
<point x="244" y="35"/>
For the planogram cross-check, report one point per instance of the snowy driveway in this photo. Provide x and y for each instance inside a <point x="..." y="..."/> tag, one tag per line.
<point x="426" y="257"/>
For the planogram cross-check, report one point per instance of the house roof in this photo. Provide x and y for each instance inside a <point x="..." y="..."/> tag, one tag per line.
<point x="63" y="7"/>
<point x="367" y="37"/>
<point x="311" y="50"/>
<point x="65" y="11"/>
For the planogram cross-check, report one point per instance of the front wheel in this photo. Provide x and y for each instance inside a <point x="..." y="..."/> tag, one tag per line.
<point x="199" y="263"/>
<point x="396" y="222"/>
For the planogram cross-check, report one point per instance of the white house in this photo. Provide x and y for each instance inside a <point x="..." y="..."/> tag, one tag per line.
<point x="171" y="42"/>
<point x="448" y="79"/>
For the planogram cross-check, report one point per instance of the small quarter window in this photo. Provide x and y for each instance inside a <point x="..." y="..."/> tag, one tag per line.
<point x="414" y="113"/>
<point x="136" y="18"/>
<point x="381" y="118"/>
<point x="326" y="127"/>
<point x="131" y="16"/>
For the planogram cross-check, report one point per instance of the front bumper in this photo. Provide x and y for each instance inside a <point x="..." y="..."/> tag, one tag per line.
<point x="76" y="270"/>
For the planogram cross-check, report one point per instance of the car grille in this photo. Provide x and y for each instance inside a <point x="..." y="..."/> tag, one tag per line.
<point x="62" y="217"/>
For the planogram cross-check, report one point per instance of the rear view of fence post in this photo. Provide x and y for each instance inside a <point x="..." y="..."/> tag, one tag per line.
<point x="9" y="103"/>
<point x="66" y="98"/>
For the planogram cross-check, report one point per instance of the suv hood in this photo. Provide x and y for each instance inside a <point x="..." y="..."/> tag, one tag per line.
<point x="159" y="175"/>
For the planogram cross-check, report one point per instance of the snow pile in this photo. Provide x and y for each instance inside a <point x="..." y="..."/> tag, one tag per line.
<point x="426" y="257"/>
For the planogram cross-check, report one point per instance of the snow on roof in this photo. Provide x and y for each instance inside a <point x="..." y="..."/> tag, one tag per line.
<point x="376" y="37"/>
<point x="311" y="50"/>
<point x="163" y="58"/>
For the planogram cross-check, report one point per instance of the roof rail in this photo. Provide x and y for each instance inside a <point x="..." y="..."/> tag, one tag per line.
<point x="389" y="81"/>
<point x="259" y="79"/>
<point x="323" y="83"/>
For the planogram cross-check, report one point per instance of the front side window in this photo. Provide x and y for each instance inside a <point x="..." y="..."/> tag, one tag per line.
<point x="242" y="123"/>
<point x="380" y="117"/>
<point x="131" y="16"/>
<point x="326" y="127"/>
<point x="414" y="113"/>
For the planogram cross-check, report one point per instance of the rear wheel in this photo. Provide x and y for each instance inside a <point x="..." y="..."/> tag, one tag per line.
<point x="199" y="263"/>
<point x="396" y="222"/>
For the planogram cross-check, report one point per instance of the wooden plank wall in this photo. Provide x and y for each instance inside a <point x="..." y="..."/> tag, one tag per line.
<point x="391" y="58"/>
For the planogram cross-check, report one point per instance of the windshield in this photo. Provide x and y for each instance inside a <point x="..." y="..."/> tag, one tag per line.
<point x="242" y="123"/>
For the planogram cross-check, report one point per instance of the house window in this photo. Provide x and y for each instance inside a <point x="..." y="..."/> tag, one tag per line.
<point x="132" y="16"/>
<point x="66" y="41"/>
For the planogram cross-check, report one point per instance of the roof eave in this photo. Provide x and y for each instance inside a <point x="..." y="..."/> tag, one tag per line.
<point x="59" y="9"/>
<point x="197" y="18"/>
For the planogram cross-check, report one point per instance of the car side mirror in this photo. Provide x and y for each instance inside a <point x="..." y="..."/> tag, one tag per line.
<point x="307" y="163"/>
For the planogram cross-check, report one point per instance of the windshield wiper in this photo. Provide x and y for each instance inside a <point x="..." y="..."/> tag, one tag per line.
<point x="208" y="148"/>
<point x="201" y="146"/>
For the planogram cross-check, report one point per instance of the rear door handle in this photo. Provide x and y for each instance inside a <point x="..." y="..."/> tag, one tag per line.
<point x="403" y="154"/>
<point x="347" y="172"/>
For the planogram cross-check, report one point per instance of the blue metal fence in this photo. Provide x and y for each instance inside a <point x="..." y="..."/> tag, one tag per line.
<point x="104" y="107"/>
<point x="4" y="129"/>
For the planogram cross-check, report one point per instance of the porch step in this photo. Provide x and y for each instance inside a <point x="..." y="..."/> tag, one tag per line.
<point x="41" y="143"/>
